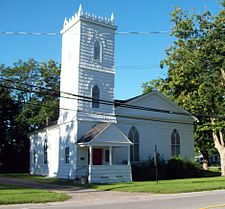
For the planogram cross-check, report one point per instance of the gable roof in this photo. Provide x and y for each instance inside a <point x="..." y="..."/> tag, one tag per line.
<point x="104" y="133"/>
<point x="132" y="100"/>
<point x="135" y="103"/>
<point x="93" y="132"/>
<point x="51" y="125"/>
<point x="118" y="102"/>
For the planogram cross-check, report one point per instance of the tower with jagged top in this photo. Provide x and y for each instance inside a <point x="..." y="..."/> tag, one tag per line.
<point x="87" y="71"/>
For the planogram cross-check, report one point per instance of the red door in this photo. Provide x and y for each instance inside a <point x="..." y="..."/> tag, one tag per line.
<point x="97" y="156"/>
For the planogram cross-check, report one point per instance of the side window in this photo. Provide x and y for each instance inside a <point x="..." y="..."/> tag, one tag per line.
<point x="175" y="143"/>
<point x="45" y="152"/>
<point x="34" y="156"/>
<point x="134" y="149"/>
<point x="67" y="155"/>
<point x="97" y="51"/>
<point x="95" y="97"/>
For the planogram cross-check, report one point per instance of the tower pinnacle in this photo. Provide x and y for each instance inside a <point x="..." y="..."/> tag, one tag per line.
<point x="80" y="10"/>
<point x="112" y="17"/>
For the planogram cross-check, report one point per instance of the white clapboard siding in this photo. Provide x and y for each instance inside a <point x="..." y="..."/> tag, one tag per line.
<point x="93" y="73"/>
<point x="51" y="134"/>
<point x="68" y="137"/>
<point x="69" y="72"/>
<point x="157" y="101"/>
<point x="109" y="174"/>
<point x="112" y="134"/>
<point x="153" y="133"/>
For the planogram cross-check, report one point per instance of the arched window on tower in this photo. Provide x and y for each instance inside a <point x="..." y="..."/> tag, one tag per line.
<point x="45" y="152"/>
<point x="95" y="97"/>
<point x="175" y="143"/>
<point x="134" y="149"/>
<point x="97" y="51"/>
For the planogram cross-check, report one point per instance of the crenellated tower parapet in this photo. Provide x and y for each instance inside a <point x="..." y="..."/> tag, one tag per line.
<point x="80" y="14"/>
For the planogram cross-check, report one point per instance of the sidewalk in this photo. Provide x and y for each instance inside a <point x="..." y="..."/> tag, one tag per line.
<point x="37" y="185"/>
<point x="79" y="195"/>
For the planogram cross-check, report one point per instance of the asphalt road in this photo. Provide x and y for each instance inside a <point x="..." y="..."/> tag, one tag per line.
<point x="118" y="200"/>
<point x="91" y="199"/>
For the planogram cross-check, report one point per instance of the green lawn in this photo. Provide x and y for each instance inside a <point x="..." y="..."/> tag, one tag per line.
<point x="163" y="186"/>
<point x="166" y="186"/>
<point x="10" y="194"/>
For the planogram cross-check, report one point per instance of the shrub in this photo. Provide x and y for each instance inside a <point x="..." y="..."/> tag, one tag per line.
<point x="178" y="168"/>
<point x="175" y="168"/>
<point x="145" y="170"/>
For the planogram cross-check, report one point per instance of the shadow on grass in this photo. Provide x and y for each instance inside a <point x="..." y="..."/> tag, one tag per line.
<point x="111" y="186"/>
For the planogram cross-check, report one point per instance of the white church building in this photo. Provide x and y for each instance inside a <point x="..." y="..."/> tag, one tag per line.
<point x="97" y="136"/>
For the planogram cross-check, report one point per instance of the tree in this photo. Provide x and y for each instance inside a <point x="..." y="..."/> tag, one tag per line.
<point x="29" y="94"/>
<point x="196" y="78"/>
<point x="11" y="137"/>
<point x="36" y="86"/>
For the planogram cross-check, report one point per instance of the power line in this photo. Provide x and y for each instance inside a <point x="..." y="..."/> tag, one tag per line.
<point x="87" y="33"/>
<point x="101" y="101"/>
<point x="90" y="99"/>
<point x="109" y="115"/>
<point x="106" y="102"/>
<point x="29" y="33"/>
<point x="136" y="67"/>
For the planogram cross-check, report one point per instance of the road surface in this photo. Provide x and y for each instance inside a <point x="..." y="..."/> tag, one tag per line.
<point x="91" y="199"/>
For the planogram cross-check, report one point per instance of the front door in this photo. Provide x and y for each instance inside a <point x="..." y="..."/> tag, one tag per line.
<point x="97" y="156"/>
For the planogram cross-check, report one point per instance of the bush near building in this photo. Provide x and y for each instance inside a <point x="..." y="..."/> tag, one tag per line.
<point x="175" y="168"/>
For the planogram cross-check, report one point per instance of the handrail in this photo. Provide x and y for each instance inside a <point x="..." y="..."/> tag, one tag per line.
<point x="81" y="168"/>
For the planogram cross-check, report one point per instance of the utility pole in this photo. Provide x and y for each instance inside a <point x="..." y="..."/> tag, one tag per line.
<point x="156" y="163"/>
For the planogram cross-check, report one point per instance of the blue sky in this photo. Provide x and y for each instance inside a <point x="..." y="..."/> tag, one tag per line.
<point x="137" y="57"/>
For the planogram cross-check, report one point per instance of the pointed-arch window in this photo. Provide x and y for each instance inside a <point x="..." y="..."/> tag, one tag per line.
<point x="97" y="51"/>
<point x="95" y="97"/>
<point x="67" y="155"/>
<point x="134" y="149"/>
<point x="175" y="143"/>
<point x="45" y="152"/>
<point x="34" y="156"/>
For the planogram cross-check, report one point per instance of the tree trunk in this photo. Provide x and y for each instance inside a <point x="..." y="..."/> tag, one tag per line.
<point x="205" y="164"/>
<point x="219" y="145"/>
<point x="222" y="161"/>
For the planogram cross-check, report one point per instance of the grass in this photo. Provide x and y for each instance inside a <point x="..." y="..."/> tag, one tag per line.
<point x="215" y="169"/>
<point x="166" y="186"/>
<point x="163" y="187"/>
<point x="11" y="194"/>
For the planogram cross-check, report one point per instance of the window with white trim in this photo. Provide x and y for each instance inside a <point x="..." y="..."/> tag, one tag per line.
<point x="97" y="51"/>
<point x="175" y="143"/>
<point x="67" y="155"/>
<point x="134" y="148"/>
<point x="45" y="152"/>
<point x="95" y="97"/>
<point x="34" y="156"/>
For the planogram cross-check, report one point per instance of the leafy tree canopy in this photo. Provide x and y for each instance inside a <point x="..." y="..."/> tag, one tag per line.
<point x="29" y="94"/>
<point x="196" y="73"/>
<point x="36" y="87"/>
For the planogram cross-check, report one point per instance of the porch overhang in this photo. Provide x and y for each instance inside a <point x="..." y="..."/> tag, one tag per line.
<point x="103" y="144"/>
<point x="104" y="134"/>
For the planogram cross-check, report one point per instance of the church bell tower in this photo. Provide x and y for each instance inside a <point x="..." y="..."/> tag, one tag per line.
<point x="87" y="72"/>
